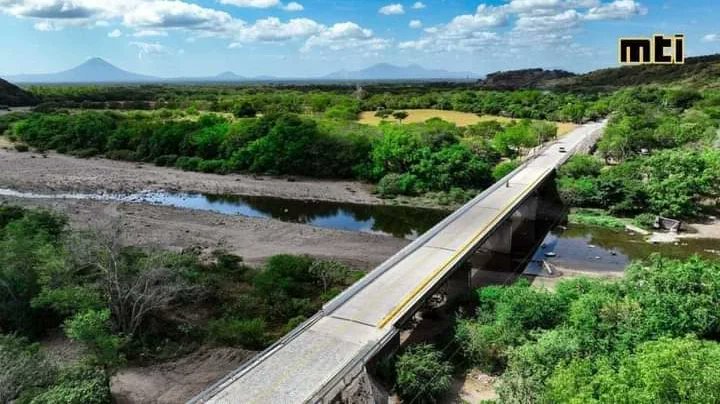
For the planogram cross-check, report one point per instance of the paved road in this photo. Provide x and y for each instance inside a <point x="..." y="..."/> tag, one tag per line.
<point x="293" y="370"/>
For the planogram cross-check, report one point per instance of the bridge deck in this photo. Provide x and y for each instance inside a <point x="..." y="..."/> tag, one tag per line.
<point x="294" y="370"/>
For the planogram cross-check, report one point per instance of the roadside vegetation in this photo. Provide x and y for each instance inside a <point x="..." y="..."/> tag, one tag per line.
<point x="128" y="305"/>
<point x="660" y="155"/>
<point x="649" y="337"/>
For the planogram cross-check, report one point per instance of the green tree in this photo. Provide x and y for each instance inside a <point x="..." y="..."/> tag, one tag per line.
<point x="400" y="115"/>
<point x="422" y="374"/>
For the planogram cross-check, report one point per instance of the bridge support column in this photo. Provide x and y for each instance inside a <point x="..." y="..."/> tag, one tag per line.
<point x="501" y="240"/>
<point x="459" y="282"/>
<point x="528" y="210"/>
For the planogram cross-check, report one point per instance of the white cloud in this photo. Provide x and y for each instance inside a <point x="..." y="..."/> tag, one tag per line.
<point x="150" y="49"/>
<point x="116" y="33"/>
<point x="418" y="5"/>
<point x="617" y="10"/>
<point x="273" y="30"/>
<point x="235" y="45"/>
<point x="293" y="6"/>
<point x="345" y="35"/>
<point x="149" y="32"/>
<point x="176" y="14"/>
<point x="392" y="9"/>
<point x="252" y="3"/>
<point x="415" y="24"/>
<point x="563" y="21"/>
<point x="711" y="38"/>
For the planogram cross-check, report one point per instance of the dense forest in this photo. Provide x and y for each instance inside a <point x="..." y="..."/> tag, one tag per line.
<point x="122" y="303"/>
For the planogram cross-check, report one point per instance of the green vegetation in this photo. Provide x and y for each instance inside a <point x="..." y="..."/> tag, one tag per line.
<point x="595" y="218"/>
<point x="649" y="337"/>
<point x="422" y="374"/>
<point x="96" y="291"/>
<point x="416" y="158"/>
<point x="659" y="156"/>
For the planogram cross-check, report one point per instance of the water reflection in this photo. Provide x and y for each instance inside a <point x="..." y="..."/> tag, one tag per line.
<point x="592" y="248"/>
<point x="399" y="221"/>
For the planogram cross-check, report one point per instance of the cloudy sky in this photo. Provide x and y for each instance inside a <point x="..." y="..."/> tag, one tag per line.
<point x="306" y="38"/>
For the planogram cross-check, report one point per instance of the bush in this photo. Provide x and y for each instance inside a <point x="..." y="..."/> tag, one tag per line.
<point x="86" y="153"/>
<point x="504" y="168"/>
<point x="581" y="165"/>
<point x="79" y="385"/>
<point x="92" y="328"/>
<point x="397" y="184"/>
<point x="188" y="163"/>
<point x="21" y="147"/>
<point x="212" y="166"/>
<point x="121" y="154"/>
<point x="166" y="160"/>
<point x="249" y="334"/>
<point x="645" y="220"/>
<point x="23" y="367"/>
<point x="422" y="374"/>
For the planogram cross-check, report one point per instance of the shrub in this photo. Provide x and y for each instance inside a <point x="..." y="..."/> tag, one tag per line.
<point x="23" y="367"/>
<point x="78" y="385"/>
<point x="249" y="334"/>
<point x="645" y="220"/>
<point x="422" y="374"/>
<point x="504" y="168"/>
<point x="397" y="184"/>
<point x="188" y="163"/>
<point x="166" y="160"/>
<point x="92" y="328"/>
<point x="581" y="165"/>
<point x="85" y="153"/>
<point x="212" y="166"/>
<point x="21" y="147"/>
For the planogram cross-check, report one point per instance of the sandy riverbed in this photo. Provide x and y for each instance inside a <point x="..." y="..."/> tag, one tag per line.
<point x="62" y="173"/>
<point x="255" y="239"/>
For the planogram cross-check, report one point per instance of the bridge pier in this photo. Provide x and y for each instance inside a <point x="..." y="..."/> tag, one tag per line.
<point x="529" y="209"/>
<point x="501" y="240"/>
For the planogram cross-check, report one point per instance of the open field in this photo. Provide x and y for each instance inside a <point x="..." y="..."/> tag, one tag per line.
<point x="458" y="118"/>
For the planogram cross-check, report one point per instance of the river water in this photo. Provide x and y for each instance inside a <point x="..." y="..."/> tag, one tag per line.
<point x="576" y="246"/>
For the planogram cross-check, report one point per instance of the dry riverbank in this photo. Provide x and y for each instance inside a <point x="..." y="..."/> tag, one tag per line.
<point x="254" y="239"/>
<point x="62" y="173"/>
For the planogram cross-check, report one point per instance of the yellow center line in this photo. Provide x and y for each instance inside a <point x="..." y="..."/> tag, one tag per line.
<point x="463" y="249"/>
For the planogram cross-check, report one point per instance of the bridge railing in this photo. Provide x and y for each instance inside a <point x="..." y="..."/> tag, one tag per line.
<point x="348" y="293"/>
<point x="343" y="297"/>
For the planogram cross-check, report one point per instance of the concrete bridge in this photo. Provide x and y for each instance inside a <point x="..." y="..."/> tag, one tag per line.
<point x="325" y="359"/>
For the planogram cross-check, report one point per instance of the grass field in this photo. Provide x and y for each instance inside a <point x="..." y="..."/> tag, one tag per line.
<point x="458" y="118"/>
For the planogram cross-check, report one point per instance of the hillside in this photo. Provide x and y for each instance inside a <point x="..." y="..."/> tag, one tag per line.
<point x="702" y="71"/>
<point x="14" y="96"/>
<point x="95" y="70"/>
<point x="520" y="79"/>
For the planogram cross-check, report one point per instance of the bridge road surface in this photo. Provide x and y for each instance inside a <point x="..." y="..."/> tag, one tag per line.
<point x="357" y="321"/>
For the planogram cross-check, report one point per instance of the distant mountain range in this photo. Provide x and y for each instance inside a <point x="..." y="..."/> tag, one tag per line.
<point x="97" y="70"/>
<point x="94" y="70"/>
<point x="385" y="71"/>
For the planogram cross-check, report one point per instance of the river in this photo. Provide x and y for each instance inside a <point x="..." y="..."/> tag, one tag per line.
<point x="589" y="248"/>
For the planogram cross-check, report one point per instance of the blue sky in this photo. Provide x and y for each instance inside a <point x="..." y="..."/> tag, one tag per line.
<point x="307" y="38"/>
